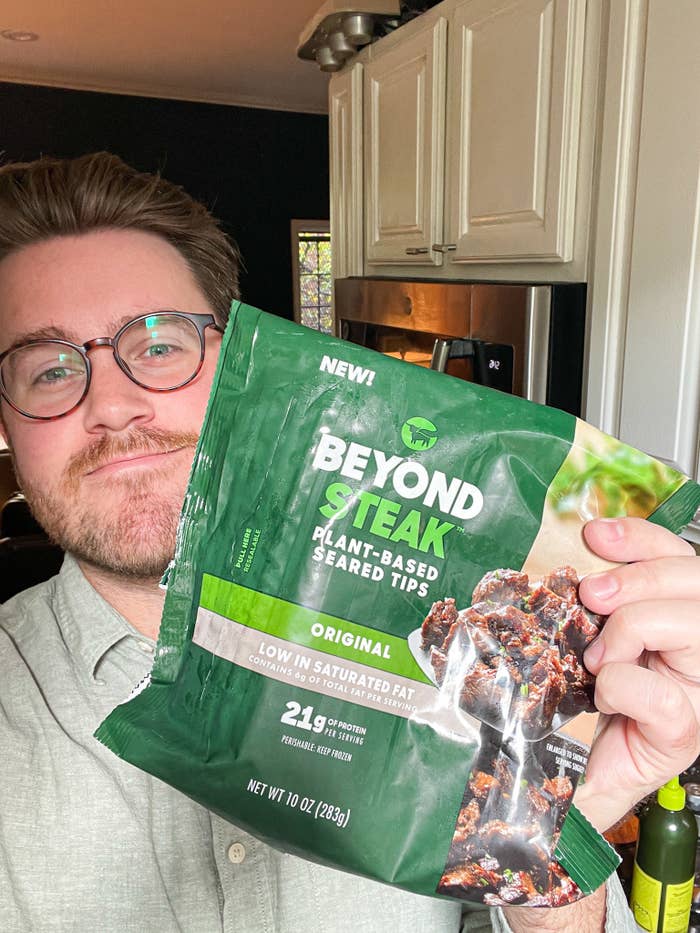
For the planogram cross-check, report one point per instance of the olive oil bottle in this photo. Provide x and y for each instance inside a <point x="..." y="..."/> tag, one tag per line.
<point x="692" y="800"/>
<point x="664" y="864"/>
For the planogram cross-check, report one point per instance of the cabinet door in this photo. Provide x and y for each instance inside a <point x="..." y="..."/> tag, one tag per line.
<point x="660" y="398"/>
<point x="345" y="144"/>
<point x="516" y="71"/>
<point x="404" y="146"/>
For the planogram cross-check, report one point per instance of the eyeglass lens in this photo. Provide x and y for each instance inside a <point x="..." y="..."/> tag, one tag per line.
<point x="48" y="378"/>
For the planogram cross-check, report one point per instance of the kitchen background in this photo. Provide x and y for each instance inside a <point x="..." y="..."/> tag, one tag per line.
<point x="543" y="142"/>
<point x="534" y="141"/>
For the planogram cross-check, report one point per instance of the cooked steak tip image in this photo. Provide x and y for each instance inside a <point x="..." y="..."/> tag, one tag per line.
<point x="526" y="642"/>
<point x="513" y="659"/>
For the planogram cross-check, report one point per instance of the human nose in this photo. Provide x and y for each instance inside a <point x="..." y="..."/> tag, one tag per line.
<point x="113" y="401"/>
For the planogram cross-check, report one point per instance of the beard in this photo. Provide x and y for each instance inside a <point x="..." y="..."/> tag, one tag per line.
<point x="128" y="526"/>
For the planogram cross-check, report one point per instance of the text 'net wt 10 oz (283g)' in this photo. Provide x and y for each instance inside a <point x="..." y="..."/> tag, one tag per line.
<point x="371" y="646"/>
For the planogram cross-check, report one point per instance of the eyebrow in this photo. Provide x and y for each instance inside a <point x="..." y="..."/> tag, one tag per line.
<point x="51" y="332"/>
<point x="43" y="333"/>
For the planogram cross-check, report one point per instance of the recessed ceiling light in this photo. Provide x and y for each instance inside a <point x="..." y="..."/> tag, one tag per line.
<point x="19" y="35"/>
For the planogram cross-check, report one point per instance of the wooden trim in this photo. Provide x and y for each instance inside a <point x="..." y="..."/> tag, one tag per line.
<point x="224" y="99"/>
<point x="346" y="172"/>
<point x="613" y="221"/>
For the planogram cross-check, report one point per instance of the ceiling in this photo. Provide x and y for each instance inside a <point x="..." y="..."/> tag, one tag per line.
<point x="221" y="51"/>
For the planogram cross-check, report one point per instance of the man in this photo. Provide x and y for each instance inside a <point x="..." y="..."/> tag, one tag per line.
<point x="102" y="433"/>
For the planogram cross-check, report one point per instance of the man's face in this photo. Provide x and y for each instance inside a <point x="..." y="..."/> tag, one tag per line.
<point x="107" y="480"/>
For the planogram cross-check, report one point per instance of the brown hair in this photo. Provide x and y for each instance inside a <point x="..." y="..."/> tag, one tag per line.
<point x="54" y="197"/>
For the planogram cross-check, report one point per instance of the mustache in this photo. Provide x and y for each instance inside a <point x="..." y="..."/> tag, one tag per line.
<point x="138" y="440"/>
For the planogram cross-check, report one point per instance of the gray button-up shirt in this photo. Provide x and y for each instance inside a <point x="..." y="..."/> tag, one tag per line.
<point x="90" y="843"/>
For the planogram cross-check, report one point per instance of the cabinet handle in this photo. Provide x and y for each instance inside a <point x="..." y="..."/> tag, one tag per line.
<point x="444" y="247"/>
<point x="416" y="250"/>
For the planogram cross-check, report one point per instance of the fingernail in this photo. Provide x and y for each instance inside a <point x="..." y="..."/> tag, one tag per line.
<point x="602" y="585"/>
<point x="614" y="529"/>
<point x="593" y="654"/>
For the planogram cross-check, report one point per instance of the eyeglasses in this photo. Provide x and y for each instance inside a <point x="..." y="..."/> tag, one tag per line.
<point x="46" y="379"/>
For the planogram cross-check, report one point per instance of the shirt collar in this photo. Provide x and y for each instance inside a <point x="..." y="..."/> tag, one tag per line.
<point x="90" y="626"/>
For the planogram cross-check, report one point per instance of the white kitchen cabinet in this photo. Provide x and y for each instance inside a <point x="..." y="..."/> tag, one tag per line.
<point x="346" y="177"/>
<point x="515" y="78"/>
<point x="660" y="384"/>
<point x="471" y="140"/>
<point x="404" y="142"/>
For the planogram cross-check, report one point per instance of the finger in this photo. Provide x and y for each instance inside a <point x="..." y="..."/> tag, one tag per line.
<point x="630" y="539"/>
<point x="664" y="578"/>
<point x="671" y="629"/>
<point x="622" y="769"/>
<point x="665" y="724"/>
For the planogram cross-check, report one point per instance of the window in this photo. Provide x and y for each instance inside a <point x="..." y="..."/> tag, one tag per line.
<point x="311" y="273"/>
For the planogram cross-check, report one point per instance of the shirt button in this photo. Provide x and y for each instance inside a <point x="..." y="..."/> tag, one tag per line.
<point x="236" y="853"/>
<point x="145" y="647"/>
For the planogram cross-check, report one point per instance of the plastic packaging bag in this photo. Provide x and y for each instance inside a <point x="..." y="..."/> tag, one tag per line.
<point x="370" y="652"/>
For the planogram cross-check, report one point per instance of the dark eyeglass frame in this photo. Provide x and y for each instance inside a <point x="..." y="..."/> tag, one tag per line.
<point x="200" y="321"/>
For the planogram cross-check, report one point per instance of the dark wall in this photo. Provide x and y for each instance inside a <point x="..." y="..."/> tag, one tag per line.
<point x="255" y="169"/>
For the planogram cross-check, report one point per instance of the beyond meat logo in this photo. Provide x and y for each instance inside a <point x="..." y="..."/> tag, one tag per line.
<point x="419" y="434"/>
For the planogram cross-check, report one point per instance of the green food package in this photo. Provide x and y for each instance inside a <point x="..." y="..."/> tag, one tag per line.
<point x="370" y="652"/>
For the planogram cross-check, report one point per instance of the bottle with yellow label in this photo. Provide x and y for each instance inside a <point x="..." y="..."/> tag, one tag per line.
<point x="664" y="864"/>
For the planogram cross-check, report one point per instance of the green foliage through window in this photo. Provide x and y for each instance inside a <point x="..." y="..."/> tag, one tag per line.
<point x="315" y="282"/>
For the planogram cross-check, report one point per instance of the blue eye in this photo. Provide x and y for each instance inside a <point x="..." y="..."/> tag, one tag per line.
<point x="57" y="374"/>
<point x="159" y="349"/>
